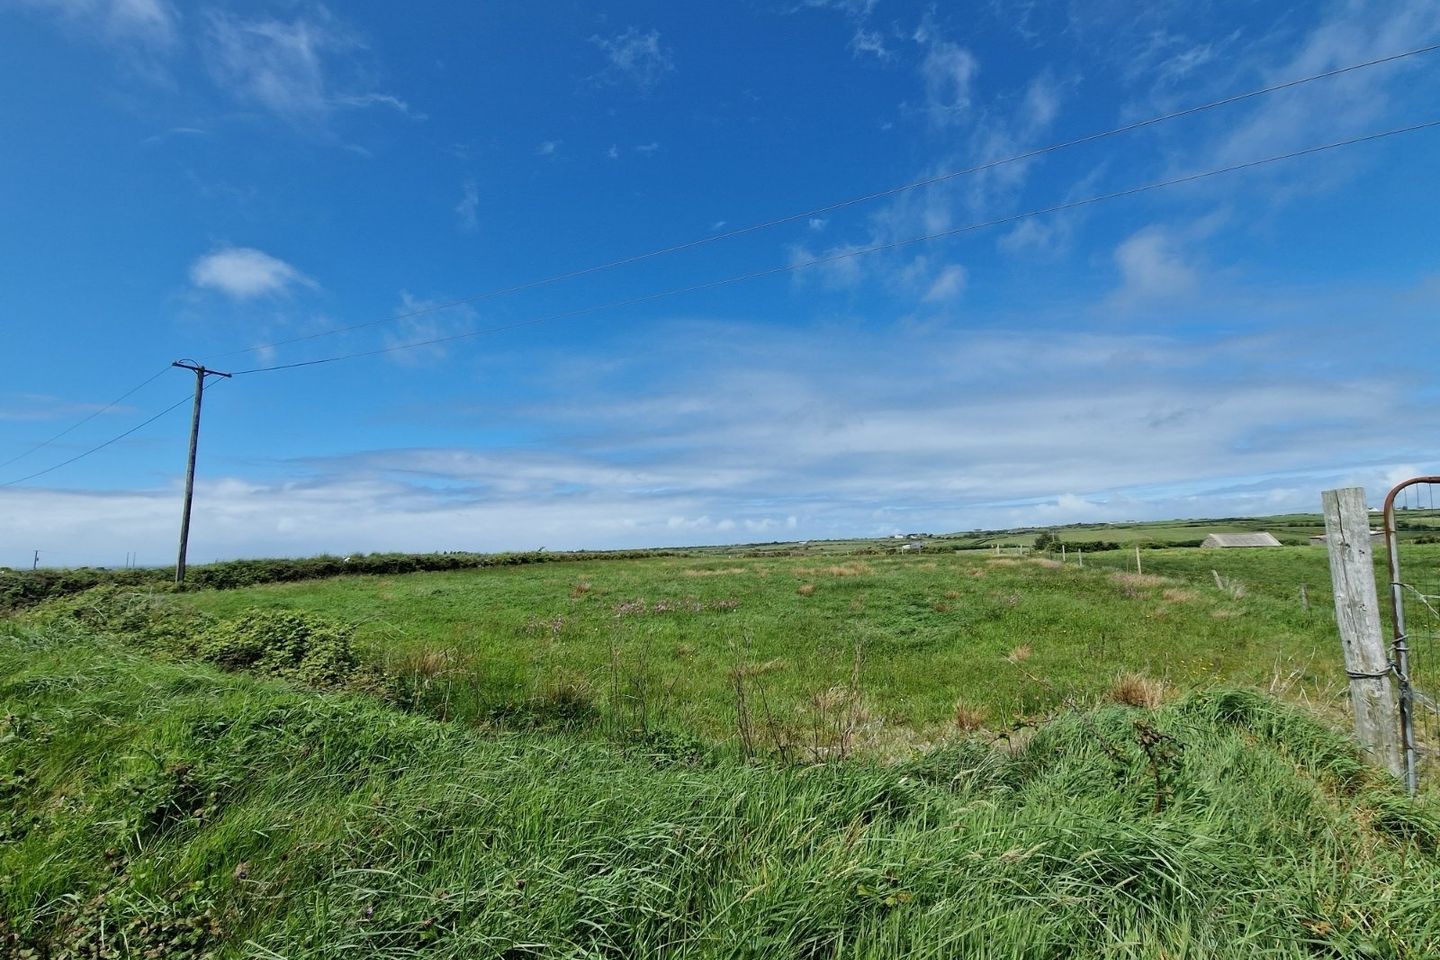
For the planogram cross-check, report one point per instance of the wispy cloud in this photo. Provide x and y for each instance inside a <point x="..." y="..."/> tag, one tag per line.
<point x="244" y="273"/>
<point x="37" y="407"/>
<point x="420" y="321"/>
<point x="150" y="23"/>
<point x="870" y="43"/>
<point x="634" y="57"/>
<point x="947" y="285"/>
<point x="466" y="209"/>
<point x="1160" y="262"/>
<point x="362" y="100"/>
<point x="1346" y="33"/>
<point x="948" y="72"/>
<point x="176" y="132"/>
<point x="1152" y="267"/>
<point x="854" y="9"/>
<point x="547" y="148"/>
<point x="287" y="66"/>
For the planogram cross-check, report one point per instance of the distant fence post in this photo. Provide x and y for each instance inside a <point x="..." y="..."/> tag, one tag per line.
<point x="1357" y="613"/>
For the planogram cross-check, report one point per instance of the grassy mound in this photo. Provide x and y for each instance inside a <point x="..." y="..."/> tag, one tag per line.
<point x="171" y="810"/>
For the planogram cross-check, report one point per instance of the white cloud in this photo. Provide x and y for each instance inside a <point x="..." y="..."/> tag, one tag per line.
<point x="634" y="57"/>
<point x="465" y="210"/>
<point x="286" y="67"/>
<point x="948" y="72"/>
<point x="647" y="149"/>
<point x="1345" y="33"/>
<point x="1153" y="267"/>
<point x="276" y="64"/>
<point x="244" y="273"/>
<point x="613" y="153"/>
<point x="854" y="9"/>
<point x="834" y="267"/>
<point x="547" y="148"/>
<point x="152" y="24"/>
<point x="35" y="407"/>
<point x="948" y="285"/>
<point x="378" y="100"/>
<point x="423" y="320"/>
<point x="1109" y="426"/>
<point x="870" y="42"/>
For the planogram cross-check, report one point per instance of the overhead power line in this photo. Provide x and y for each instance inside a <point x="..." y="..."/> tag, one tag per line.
<point x="84" y="420"/>
<point x="101" y="446"/>
<point x="859" y="251"/>
<point x="850" y="202"/>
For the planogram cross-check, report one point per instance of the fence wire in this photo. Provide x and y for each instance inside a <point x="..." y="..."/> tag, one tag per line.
<point x="1412" y="528"/>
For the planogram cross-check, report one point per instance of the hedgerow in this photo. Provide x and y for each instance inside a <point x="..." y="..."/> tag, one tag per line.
<point x="23" y="588"/>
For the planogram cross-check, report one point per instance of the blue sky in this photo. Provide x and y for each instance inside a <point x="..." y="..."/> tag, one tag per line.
<point x="203" y="180"/>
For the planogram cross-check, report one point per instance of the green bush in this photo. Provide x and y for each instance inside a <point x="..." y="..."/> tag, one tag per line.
<point x="295" y="646"/>
<point x="144" y="616"/>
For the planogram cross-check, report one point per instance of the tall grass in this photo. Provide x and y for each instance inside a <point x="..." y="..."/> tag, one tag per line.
<point x="167" y="809"/>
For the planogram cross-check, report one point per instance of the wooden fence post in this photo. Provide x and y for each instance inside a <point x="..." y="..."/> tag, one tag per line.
<point x="1357" y="613"/>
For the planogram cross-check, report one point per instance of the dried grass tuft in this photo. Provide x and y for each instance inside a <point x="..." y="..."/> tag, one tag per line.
<point x="856" y="569"/>
<point x="1137" y="690"/>
<point x="968" y="716"/>
<point x="1138" y="580"/>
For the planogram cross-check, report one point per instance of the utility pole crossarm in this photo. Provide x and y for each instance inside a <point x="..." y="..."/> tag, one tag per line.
<point x="201" y="372"/>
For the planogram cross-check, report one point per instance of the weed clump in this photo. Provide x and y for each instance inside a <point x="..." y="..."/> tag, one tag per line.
<point x="299" y="647"/>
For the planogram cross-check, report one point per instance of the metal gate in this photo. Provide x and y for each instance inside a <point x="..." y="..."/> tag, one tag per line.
<point x="1412" y="546"/>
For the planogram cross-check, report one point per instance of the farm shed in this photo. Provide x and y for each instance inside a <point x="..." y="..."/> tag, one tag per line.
<point x="1240" y="540"/>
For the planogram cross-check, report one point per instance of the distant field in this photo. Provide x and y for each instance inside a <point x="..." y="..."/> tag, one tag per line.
<point x="1293" y="529"/>
<point x="892" y="643"/>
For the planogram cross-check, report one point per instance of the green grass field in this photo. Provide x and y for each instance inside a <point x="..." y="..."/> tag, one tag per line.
<point x="170" y="810"/>
<point x="948" y="754"/>
<point x="660" y="642"/>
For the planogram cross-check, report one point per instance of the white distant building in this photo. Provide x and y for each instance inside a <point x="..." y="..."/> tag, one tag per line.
<point x="1376" y="536"/>
<point x="1223" y="540"/>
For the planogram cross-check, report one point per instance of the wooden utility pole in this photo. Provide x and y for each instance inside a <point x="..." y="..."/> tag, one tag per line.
<point x="1357" y="613"/>
<point x="201" y="372"/>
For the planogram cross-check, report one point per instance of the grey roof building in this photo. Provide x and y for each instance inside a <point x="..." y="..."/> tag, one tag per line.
<point x="1240" y="540"/>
